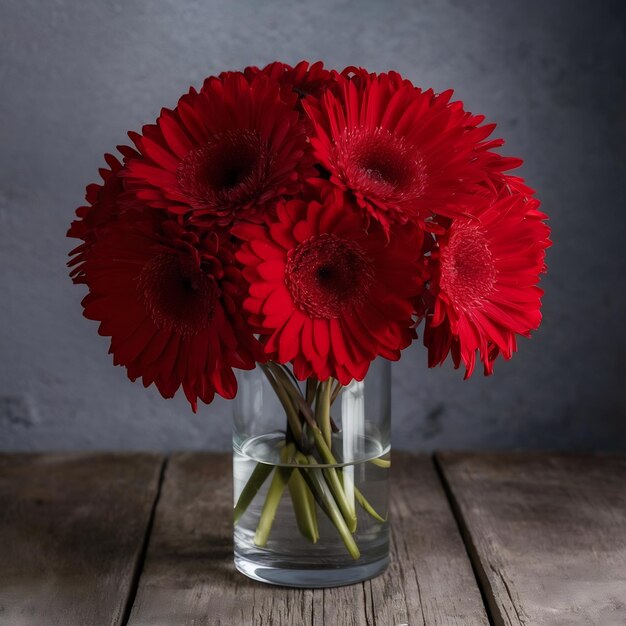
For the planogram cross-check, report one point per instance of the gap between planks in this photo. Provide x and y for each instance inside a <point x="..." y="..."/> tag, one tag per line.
<point x="141" y="559"/>
<point x="472" y="554"/>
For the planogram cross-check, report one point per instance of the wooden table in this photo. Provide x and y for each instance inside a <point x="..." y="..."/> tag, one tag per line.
<point x="477" y="539"/>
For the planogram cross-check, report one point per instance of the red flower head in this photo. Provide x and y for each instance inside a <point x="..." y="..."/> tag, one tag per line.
<point x="303" y="78"/>
<point x="404" y="154"/>
<point x="497" y="181"/>
<point x="169" y="297"/>
<point x="222" y="155"/>
<point x="104" y="204"/>
<point x="326" y="293"/>
<point x="483" y="285"/>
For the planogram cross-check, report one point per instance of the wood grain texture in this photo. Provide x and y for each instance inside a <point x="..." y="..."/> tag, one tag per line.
<point x="547" y="533"/>
<point x="72" y="528"/>
<point x="189" y="577"/>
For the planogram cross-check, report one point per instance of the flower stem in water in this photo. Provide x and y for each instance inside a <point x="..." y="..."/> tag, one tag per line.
<point x="255" y="482"/>
<point x="333" y="511"/>
<point x="303" y="502"/>
<point x="274" y="494"/>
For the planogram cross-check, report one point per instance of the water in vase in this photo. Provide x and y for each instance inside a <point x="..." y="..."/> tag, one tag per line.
<point x="289" y="557"/>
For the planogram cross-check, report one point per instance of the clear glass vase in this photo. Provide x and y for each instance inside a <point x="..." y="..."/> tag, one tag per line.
<point x="311" y="473"/>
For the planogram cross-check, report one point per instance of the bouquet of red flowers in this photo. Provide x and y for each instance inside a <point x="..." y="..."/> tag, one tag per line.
<point x="296" y="215"/>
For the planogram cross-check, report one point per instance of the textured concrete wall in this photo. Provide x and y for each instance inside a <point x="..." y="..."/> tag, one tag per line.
<point x="76" y="74"/>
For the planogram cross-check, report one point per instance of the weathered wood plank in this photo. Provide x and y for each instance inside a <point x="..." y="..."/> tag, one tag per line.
<point x="189" y="577"/>
<point x="72" y="528"/>
<point x="547" y="533"/>
<point x="428" y="556"/>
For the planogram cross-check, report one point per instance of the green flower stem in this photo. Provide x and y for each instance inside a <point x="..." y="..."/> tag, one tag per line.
<point x="345" y="507"/>
<point x="332" y="509"/>
<point x="334" y="483"/>
<point x="292" y="391"/>
<point x="290" y="374"/>
<point x="360" y="498"/>
<point x="384" y="463"/>
<point x="322" y="448"/>
<point x="335" y="393"/>
<point x="285" y="400"/>
<point x="288" y="383"/>
<point x="303" y="502"/>
<point x="311" y="389"/>
<point x="274" y="494"/>
<point x="310" y="497"/>
<point x="292" y="399"/>
<point x="299" y="402"/>
<point x="322" y="409"/>
<point x="255" y="482"/>
<point x="312" y="485"/>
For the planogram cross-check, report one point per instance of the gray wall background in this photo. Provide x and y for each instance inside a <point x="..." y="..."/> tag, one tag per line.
<point x="76" y="74"/>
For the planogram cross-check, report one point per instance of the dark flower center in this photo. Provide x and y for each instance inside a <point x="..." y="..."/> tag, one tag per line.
<point x="229" y="170"/>
<point x="468" y="270"/>
<point x="379" y="163"/>
<point x="327" y="275"/>
<point x="178" y="294"/>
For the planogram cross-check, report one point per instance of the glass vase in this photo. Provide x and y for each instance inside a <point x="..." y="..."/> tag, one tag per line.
<point x="311" y="474"/>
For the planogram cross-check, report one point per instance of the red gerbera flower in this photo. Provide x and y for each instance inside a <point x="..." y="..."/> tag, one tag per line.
<point x="304" y="78"/>
<point x="484" y="282"/>
<point x="361" y="76"/>
<point x="496" y="166"/>
<point x="326" y="293"/>
<point x="169" y="297"/>
<point x="403" y="153"/>
<point x="104" y="203"/>
<point x="225" y="154"/>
